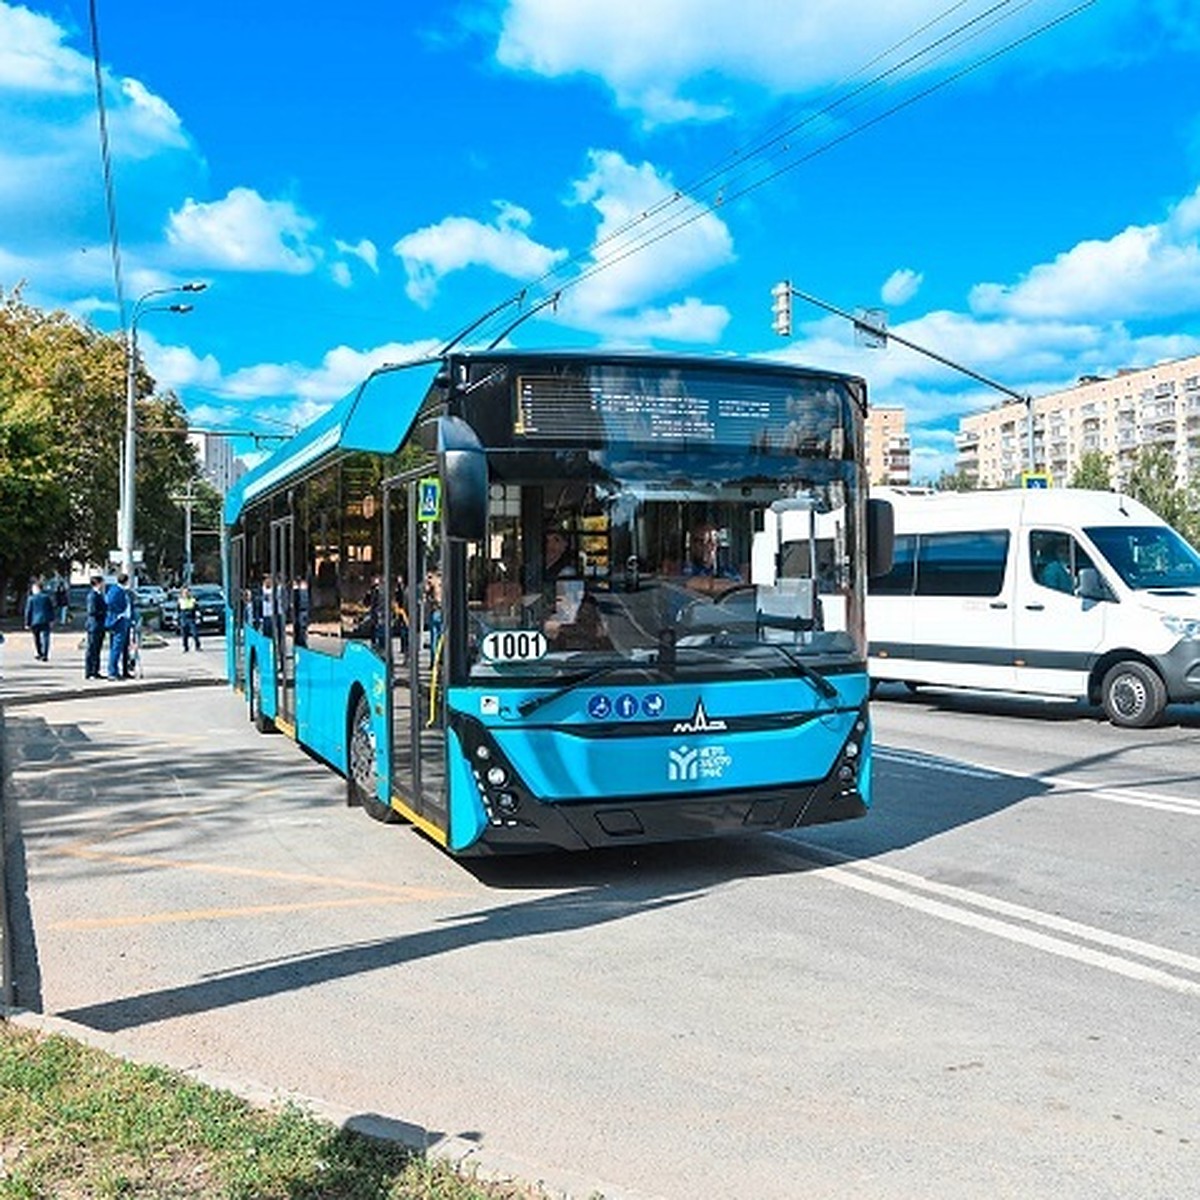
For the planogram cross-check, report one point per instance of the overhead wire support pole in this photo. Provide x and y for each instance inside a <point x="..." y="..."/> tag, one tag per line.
<point x="884" y="335"/>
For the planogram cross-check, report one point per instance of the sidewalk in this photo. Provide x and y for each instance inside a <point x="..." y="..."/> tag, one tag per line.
<point x="24" y="680"/>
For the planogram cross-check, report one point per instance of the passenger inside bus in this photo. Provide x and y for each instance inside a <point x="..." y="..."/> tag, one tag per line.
<point x="587" y="631"/>
<point x="704" y="568"/>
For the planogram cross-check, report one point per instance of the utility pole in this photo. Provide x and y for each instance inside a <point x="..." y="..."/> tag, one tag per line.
<point x="878" y="335"/>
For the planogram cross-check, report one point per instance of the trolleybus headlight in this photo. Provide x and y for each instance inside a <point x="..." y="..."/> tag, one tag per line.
<point x="482" y="753"/>
<point x="851" y="750"/>
<point x="497" y="776"/>
<point x="845" y="773"/>
<point x="507" y="802"/>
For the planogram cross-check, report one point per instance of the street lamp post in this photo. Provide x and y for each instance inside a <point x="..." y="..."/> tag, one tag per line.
<point x="129" y="450"/>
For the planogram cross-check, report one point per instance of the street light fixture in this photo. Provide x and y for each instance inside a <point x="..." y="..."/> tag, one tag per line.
<point x="129" y="451"/>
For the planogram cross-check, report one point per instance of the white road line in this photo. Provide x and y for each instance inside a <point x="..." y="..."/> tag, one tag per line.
<point x="1013" y="922"/>
<point x="1062" y="784"/>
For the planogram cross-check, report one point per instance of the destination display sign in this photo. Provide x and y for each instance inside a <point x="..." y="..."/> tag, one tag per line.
<point x="612" y="405"/>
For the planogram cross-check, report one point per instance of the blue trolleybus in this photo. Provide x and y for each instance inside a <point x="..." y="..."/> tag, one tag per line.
<point x="535" y="600"/>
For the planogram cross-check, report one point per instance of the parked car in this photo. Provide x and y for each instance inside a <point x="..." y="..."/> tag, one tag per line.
<point x="168" y="611"/>
<point x="150" y="595"/>
<point x="210" y="608"/>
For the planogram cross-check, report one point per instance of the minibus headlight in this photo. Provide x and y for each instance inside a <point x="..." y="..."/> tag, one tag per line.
<point x="1184" y="627"/>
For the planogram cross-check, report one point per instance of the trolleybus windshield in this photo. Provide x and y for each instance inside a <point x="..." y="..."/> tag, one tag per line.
<point x="684" y="523"/>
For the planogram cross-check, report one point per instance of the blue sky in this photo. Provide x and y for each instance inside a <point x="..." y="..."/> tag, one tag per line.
<point x="357" y="182"/>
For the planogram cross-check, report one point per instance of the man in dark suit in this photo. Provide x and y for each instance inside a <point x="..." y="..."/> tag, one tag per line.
<point x="94" y="625"/>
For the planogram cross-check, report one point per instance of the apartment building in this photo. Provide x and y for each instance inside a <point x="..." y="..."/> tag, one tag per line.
<point x="1116" y="415"/>
<point x="888" y="447"/>
<point x="214" y="453"/>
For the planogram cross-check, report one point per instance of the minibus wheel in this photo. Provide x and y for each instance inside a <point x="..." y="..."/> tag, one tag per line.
<point x="360" y="766"/>
<point x="1133" y="695"/>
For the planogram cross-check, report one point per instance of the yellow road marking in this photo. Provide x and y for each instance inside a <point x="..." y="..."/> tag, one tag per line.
<point x="214" y="914"/>
<point x="178" y="864"/>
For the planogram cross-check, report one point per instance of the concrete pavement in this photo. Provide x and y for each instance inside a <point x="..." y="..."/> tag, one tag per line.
<point x="24" y="680"/>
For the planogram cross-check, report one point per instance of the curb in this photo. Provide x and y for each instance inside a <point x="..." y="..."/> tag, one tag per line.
<point x="122" y="688"/>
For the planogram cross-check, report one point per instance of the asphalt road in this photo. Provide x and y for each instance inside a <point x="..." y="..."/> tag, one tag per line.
<point x="990" y="986"/>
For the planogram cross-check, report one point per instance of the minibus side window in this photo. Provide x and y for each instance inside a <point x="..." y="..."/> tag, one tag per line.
<point x="1055" y="560"/>
<point x="962" y="564"/>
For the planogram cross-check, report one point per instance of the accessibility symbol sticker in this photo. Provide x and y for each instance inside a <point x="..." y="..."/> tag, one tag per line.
<point x="599" y="706"/>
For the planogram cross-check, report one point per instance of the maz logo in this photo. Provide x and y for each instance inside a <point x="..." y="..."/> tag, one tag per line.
<point x="683" y="764"/>
<point x="700" y="722"/>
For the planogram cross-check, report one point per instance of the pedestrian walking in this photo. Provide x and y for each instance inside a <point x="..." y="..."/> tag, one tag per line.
<point x="93" y="623"/>
<point x="117" y="619"/>
<point x="189" y="626"/>
<point x="39" y="616"/>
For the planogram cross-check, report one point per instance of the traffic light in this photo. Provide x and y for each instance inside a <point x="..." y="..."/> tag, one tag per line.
<point x="781" y="308"/>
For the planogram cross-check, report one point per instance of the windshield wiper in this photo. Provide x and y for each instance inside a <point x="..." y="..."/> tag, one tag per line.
<point x="532" y="703"/>
<point x="811" y="674"/>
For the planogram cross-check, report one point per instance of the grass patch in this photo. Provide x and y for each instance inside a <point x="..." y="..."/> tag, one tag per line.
<point x="76" y="1123"/>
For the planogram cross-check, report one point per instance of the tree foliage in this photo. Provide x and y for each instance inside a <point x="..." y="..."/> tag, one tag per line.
<point x="956" y="481"/>
<point x="1152" y="480"/>
<point x="62" y="422"/>
<point x="1094" y="471"/>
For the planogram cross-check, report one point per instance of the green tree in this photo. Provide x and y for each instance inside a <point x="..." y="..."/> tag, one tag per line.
<point x="956" y="481"/>
<point x="1094" y="471"/>
<point x="1152" y="480"/>
<point x="62" y="422"/>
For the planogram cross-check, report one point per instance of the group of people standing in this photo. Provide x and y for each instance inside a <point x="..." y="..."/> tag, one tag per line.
<point x="109" y="610"/>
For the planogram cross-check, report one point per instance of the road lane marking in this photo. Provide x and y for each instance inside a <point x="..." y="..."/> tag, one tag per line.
<point x="1012" y="922"/>
<point x="1055" y="783"/>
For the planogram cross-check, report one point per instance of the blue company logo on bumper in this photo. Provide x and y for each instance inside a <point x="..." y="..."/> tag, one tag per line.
<point x="686" y="764"/>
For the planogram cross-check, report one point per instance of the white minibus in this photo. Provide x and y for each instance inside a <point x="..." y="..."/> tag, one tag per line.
<point x="1054" y="592"/>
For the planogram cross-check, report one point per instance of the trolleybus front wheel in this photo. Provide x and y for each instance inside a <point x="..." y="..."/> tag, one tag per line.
<point x="361" y="776"/>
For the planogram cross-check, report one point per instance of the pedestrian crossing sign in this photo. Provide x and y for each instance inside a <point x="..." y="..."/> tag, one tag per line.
<point x="429" y="506"/>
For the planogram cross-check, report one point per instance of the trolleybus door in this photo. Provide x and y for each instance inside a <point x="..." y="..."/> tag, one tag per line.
<point x="283" y="583"/>
<point x="412" y="549"/>
<point x="235" y="629"/>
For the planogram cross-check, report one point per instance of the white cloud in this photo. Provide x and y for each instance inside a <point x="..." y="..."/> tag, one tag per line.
<point x="1145" y="270"/>
<point x="244" y="232"/>
<point x="50" y="186"/>
<point x="364" y="250"/>
<point x="432" y="253"/>
<point x="33" y="58"/>
<point x="901" y="286"/>
<point x="177" y="367"/>
<point x="621" y="194"/>
<point x="668" y="58"/>
<point x="341" y="370"/>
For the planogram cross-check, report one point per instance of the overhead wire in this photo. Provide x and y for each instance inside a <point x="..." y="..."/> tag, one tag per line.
<point x="646" y="231"/>
<point x="110" y="196"/>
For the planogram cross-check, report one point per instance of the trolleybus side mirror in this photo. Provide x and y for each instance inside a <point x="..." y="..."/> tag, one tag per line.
<point x="881" y="537"/>
<point x="465" y="482"/>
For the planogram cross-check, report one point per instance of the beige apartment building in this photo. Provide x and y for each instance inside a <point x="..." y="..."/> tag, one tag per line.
<point x="1117" y="415"/>
<point x="888" y="448"/>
